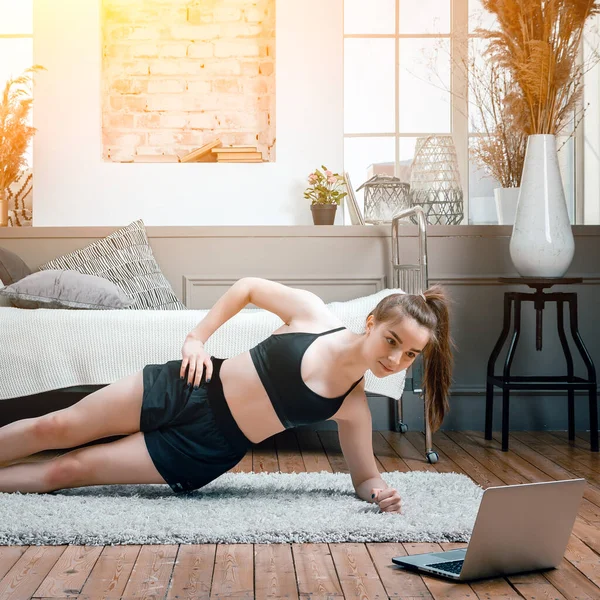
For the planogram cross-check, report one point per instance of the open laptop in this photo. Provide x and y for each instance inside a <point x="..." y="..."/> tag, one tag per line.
<point x="518" y="528"/>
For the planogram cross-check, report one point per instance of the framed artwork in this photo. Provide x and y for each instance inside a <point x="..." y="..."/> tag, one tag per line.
<point x="356" y="217"/>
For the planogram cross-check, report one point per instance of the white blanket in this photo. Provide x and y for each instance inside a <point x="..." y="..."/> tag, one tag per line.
<point x="50" y="349"/>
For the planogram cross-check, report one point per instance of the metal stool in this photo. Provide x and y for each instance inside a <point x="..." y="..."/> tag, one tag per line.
<point x="568" y="382"/>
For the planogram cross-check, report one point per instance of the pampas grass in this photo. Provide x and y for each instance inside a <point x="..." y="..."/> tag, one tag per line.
<point x="15" y="133"/>
<point x="538" y="42"/>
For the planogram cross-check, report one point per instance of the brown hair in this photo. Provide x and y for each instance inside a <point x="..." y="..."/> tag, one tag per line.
<point x="432" y="313"/>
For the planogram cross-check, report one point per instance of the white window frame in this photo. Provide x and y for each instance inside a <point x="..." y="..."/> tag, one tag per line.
<point x="15" y="36"/>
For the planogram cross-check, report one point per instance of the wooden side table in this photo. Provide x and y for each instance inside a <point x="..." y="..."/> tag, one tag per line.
<point x="569" y="382"/>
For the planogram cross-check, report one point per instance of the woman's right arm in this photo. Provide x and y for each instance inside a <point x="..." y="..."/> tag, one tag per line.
<point x="286" y="302"/>
<point x="194" y="354"/>
<point x="226" y="307"/>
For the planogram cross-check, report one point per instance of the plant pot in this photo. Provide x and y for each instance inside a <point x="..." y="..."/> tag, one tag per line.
<point x="542" y="243"/>
<point x="506" y="204"/>
<point x="323" y="214"/>
<point x="3" y="208"/>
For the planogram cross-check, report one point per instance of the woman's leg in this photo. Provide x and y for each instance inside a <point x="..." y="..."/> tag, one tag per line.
<point x="124" y="461"/>
<point x="111" y="410"/>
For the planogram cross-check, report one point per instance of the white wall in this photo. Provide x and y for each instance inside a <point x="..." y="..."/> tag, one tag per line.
<point x="73" y="186"/>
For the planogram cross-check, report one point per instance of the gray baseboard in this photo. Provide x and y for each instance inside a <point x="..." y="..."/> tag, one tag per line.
<point x="528" y="412"/>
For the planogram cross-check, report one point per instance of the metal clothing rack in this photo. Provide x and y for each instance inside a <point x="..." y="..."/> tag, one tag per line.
<point x="413" y="279"/>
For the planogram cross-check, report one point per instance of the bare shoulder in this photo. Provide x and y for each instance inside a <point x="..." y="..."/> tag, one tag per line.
<point x="289" y="303"/>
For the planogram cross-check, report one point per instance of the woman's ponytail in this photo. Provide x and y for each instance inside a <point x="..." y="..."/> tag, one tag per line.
<point x="438" y="359"/>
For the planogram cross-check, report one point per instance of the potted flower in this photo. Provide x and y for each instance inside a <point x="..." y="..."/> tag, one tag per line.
<point x="325" y="193"/>
<point x="15" y="133"/>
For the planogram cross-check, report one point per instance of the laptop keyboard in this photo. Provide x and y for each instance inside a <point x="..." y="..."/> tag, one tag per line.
<point x="453" y="566"/>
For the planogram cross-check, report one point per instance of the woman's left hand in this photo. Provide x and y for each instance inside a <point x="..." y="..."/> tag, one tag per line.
<point x="388" y="499"/>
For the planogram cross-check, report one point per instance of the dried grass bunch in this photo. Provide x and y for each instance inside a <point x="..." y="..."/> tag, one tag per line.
<point x="500" y="149"/>
<point x="15" y="133"/>
<point x="538" y="43"/>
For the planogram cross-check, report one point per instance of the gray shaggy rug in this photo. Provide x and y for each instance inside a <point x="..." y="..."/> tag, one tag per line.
<point x="259" y="508"/>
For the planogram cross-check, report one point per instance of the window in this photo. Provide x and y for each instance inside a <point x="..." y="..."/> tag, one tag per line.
<point x="385" y="83"/>
<point x="16" y="42"/>
<point x="402" y="82"/>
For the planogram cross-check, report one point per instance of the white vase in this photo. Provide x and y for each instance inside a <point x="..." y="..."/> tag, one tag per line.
<point x="542" y="243"/>
<point x="506" y="204"/>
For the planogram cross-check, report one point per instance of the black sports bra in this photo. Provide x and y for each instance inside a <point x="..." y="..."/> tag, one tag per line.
<point x="278" y="360"/>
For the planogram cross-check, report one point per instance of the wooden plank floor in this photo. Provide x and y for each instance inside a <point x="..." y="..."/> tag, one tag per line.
<point x="335" y="571"/>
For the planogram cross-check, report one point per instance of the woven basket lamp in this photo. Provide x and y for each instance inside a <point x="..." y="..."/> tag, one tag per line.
<point x="435" y="180"/>
<point x="385" y="195"/>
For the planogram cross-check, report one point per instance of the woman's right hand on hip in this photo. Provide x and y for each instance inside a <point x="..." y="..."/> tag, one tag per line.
<point x="195" y="360"/>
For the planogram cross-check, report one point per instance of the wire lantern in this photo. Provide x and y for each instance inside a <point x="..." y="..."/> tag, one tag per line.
<point x="384" y="196"/>
<point x="435" y="181"/>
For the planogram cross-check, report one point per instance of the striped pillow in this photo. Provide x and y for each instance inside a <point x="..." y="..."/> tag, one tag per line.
<point x="125" y="258"/>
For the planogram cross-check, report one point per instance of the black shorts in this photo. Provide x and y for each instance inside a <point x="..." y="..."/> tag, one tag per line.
<point x="191" y="435"/>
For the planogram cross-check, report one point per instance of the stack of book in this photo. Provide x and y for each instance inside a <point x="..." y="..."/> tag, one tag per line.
<point x="214" y="152"/>
<point x="236" y="154"/>
<point x="202" y="154"/>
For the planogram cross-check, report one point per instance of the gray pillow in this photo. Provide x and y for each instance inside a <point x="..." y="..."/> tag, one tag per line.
<point x="4" y="301"/>
<point x="12" y="267"/>
<point x="125" y="258"/>
<point x="65" y="289"/>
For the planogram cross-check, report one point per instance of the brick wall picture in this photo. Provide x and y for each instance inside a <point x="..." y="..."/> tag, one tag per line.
<point x="179" y="74"/>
